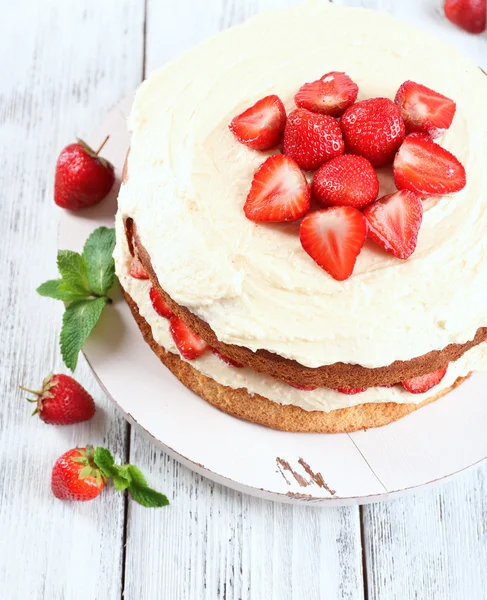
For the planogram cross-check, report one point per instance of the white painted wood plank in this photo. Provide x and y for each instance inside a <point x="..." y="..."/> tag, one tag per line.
<point x="213" y="542"/>
<point x="63" y="65"/>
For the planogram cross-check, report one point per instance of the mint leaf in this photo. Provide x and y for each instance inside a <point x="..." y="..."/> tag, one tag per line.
<point x="120" y="483"/>
<point x="142" y="493"/>
<point x="74" y="271"/>
<point x="59" y="290"/>
<point x="78" y="321"/>
<point x="97" y="253"/>
<point x="104" y="461"/>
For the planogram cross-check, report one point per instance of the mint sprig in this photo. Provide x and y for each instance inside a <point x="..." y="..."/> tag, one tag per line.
<point x="128" y="477"/>
<point x="85" y="281"/>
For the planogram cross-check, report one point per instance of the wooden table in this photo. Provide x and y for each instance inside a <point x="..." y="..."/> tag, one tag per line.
<point x="63" y="65"/>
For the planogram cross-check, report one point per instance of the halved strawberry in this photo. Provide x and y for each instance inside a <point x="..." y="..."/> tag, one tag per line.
<point x="137" y="270"/>
<point x="467" y="14"/>
<point x="227" y="360"/>
<point x="330" y="95"/>
<point x="350" y="391"/>
<point x="423" y="383"/>
<point x="394" y="221"/>
<point x="334" y="237"/>
<point x="189" y="344"/>
<point x="424" y="110"/>
<point x="159" y="305"/>
<point x="306" y="388"/>
<point x="424" y="167"/>
<point x="279" y="192"/>
<point x="261" y="126"/>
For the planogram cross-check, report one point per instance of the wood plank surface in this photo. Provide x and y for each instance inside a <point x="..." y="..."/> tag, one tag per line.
<point x="60" y="74"/>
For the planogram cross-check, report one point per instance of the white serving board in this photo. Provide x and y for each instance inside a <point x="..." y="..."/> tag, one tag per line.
<point x="433" y="443"/>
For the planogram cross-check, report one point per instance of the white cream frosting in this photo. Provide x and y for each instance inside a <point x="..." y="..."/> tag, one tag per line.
<point x="257" y="383"/>
<point x="253" y="283"/>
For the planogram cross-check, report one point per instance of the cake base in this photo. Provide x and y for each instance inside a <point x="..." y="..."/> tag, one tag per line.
<point x="257" y="409"/>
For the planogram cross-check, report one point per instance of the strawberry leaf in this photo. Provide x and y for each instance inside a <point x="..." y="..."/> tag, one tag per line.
<point x="74" y="271"/>
<point x="97" y="253"/>
<point x="78" y="321"/>
<point x="60" y="290"/>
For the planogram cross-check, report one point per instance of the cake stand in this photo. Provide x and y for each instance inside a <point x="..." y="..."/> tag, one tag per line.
<point x="435" y="442"/>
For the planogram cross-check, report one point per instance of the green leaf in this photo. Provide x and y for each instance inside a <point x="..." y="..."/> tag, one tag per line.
<point x="78" y="321"/>
<point x="104" y="461"/>
<point x="74" y="271"/>
<point x="60" y="290"/>
<point x="141" y="492"/>
<point x="97" y="253"/>
<point x="120" y="483"/>
<point x="85" y="472"/>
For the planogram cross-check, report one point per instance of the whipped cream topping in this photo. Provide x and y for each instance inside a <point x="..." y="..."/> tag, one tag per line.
<point x="253" y="283"/>
<point x="322" y="399"/>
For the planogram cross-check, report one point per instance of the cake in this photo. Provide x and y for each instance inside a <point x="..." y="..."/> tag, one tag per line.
<point x="239" y="309"/>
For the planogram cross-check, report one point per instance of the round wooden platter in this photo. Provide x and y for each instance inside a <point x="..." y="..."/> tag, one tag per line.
<point x="426" y="447"/>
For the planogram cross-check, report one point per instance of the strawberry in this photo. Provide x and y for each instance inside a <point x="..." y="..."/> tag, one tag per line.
<point x="423" y="383"/>
<point x="75" y="476"/>
<point x="82" y="178"/>
<point x="137" y="270"/>
<point x="373" y="129"/>
<point x="346" y="180"/>
<point x="306" y="388"/>
<point x="159" y="305"/>
<point x="333" y="237"/>
<point x="330" y="95"/>
<point x="311" y="138"/>
<point x="279" y="192"/>
<point x="426" y="168"/>
<point x="227" y="360"/>
<point x="350" y="391"/>
<point x="467" y="14"/>
<point x="394" y="221"/>
<point x="261" y="126"/>
<point x="424" y="110"/>
<point x="189" y="344"/>
<point x="62" y="401"/>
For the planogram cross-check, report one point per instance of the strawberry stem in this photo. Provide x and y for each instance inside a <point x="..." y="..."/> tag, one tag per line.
<point x="101" y="147"/>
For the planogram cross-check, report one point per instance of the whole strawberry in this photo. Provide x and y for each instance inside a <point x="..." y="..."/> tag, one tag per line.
<point x="82" y="178"/>
<point x="75" y="475"/>
<point x="62" y="401"/>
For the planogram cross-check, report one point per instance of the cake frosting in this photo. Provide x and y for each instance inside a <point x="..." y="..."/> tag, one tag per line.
<point x="322" y="399"/>
<point x="252" y="283"/>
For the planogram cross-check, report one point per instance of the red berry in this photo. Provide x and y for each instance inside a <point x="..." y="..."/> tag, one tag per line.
<point x="227" y="360"/>
<point x="426" y="168"/>
<point x="346" y="180"/>
<point x="189" y="344"/>
<point x="261" y="126"/>
<point x="423" y="383"/>
<point x="159" y="304"/>
<point x="82" y="177"/>
<point x="467" y="14"/>
<point x="334" y="237"/>
<point x="373" y="129"/>
<point x="424" y="110"/>
<point x="350" y="391"/>
<point x="62" y="401"/>
<point x="137" y="270"/>
<point x="311" y="138"/>
<point x="394" y="221"/>
<point x="330" y="95"/>
<point x="279" y="191"/>
<point x="65" y="480"/>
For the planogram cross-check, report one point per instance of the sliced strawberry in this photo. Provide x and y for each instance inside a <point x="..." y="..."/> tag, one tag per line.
<point x="424" y="167"/>
<point x="330" y="95"/>
<point x="394" y="221"/>
<point x="346" y="180"/>
<point x="137" y="270"/>
<point x="279" y="192"/>
<point x="261" y="126"/>
<point x="350" y="391"/>
<point x="423" y="383"/>
<point x="189" y="344"/>
<point x="467" y="14"/>
<point x="306" y="388"/>
<point x="159" y="305"/>
<point x="333" y="237"/>
<point x="311" y="139"/>
<point x="227" y="360"/>
<point x="424" y="110"/>
<point x="387" y="385"/>
<point x="373" y="129"/>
